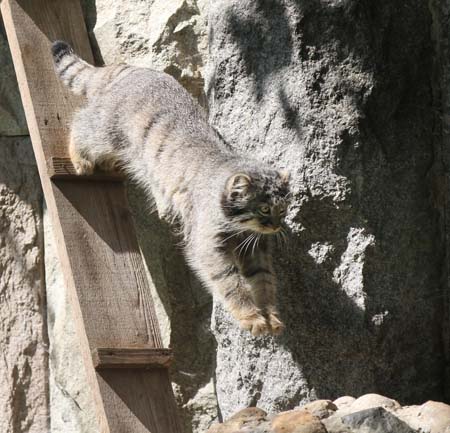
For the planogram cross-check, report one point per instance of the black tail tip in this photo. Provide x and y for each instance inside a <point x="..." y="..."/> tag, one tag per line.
<point x="60" y="49"/>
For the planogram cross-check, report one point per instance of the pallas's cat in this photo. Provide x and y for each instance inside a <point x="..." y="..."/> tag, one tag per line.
<point x="229" y="207"/>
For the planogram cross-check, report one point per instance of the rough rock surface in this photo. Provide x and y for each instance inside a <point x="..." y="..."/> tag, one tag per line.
<point x="374" y="420"/>
<point x="165" y="35"/>
<point x="337" y="92"/>
<point x="23" y="361"/>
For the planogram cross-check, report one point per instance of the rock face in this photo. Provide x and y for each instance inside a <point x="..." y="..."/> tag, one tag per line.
<point x="23" y="364"/>
<point x="337" y="92"/>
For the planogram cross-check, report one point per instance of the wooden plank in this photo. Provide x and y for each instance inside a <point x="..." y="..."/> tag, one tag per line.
<point x="62" y="168"/>
<point x="131" y="358"/>
<point x="107" y="265"/>
<point x="103" y="269"/>
<point x="151" y="400"/>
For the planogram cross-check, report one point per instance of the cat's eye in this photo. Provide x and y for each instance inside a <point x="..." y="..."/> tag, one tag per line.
<point x="264" y="209"/>
<point x="283" y="211"/>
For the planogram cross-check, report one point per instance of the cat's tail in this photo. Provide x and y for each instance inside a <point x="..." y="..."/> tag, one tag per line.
<point x="74" y="72"/>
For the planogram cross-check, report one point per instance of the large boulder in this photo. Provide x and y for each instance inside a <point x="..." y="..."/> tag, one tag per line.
<point x="340" y="94"/>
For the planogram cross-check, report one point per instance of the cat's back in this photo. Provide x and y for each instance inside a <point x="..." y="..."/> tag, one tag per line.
<point x="132" y="89"/>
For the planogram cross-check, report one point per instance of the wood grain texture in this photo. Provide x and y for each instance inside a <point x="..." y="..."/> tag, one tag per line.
<point x="147" y="393"/>
<point x="62" y="168"/>
<point x="103" y="269"/>
<point x="131" y="358"/>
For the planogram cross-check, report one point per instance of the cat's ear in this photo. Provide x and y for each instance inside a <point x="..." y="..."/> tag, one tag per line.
<point x="238" y="185"/>
<point x="285" y="176"/>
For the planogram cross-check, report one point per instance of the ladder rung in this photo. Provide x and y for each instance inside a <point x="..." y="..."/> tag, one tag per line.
<point x="131" y="358"/>
<point x="62" y="168"/>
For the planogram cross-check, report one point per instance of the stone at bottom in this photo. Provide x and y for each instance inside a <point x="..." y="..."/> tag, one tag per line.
<point x="371" y="413"/>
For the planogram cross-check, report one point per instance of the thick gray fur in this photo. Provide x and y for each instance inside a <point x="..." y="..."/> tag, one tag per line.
<point x="228" y="206"/>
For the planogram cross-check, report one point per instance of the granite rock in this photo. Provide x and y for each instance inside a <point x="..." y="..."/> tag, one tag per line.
<point x="330" y="92"/>
<point x="23" y="340"/>
<point x="375" y="420"/>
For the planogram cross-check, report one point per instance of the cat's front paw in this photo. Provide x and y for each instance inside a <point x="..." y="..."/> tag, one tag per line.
<point x="276" y="325"/>
<point x="255" y="323"/>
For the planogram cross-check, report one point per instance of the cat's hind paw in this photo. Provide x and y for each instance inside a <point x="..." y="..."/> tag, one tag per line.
<point x="83" y="167"/>
<point x="108" y="165"/>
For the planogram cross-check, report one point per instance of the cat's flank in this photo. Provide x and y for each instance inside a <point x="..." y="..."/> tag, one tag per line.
<point x="230" y="207"/>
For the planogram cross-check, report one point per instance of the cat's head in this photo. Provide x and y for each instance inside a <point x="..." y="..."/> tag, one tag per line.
<point x="257" y="201"/>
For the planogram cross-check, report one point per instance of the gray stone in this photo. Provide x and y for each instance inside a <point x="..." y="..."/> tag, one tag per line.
<point x="375" y="420"/>
<point x="165" y="35"/>
<point x="253" y="370"/>
<point x="331" y="92"/>
<point x="23" y="342"/>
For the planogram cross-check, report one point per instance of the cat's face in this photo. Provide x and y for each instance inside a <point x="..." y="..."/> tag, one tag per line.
<point x="257" y="202"/>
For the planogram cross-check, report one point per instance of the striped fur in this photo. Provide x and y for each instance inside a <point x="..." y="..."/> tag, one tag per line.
<point x="230" y="207"/>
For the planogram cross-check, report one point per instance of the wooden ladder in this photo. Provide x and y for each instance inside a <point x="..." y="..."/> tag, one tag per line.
<point x="103" y="269"/>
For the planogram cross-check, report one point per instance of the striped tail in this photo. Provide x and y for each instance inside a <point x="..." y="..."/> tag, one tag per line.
<point x="74" y="72"/>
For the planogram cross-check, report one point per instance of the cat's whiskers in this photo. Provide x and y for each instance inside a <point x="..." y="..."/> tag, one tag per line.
<point x="255" y="243"/>
<point x="243" y="242"/>
<point x="233" y="235"/>
<point x="249" y="243"/>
